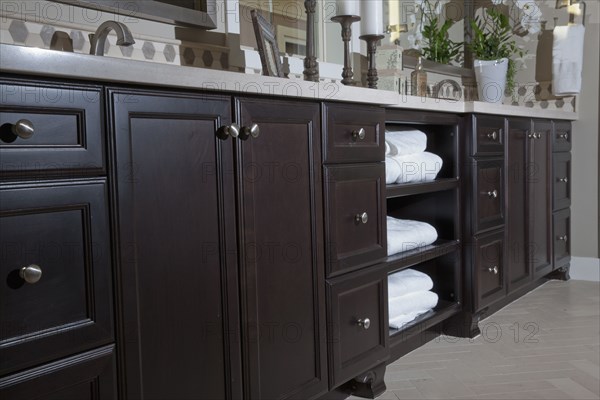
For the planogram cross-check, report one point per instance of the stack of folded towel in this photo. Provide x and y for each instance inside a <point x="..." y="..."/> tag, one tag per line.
<point x="405" y="234"/>
<point x="406" y="159"/>
<point x="409" y="295"/>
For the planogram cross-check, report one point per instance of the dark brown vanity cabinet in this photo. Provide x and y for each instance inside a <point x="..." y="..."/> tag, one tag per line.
<point x="215" y="306"/>
<point x="561" y="183"/>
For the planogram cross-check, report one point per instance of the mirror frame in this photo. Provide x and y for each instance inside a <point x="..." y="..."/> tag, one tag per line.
<point x="155" y="11"/>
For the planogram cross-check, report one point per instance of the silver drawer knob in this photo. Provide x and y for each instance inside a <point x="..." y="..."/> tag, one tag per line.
<point x="362" y="218"/>
<point x="31" y="274"/>
<point x="493" y="194"/>
<point x="563" y="238"/>
<point x="494" y="270"/>
<point x="364" y="323"/>
<point x="359" y="134"/>
<point x="229" y="130"/>
<point x="251" y="131"/>
<point x="565" y="180"/>
<point x="537" y="135"/>
<point x="493" y="135"/>
<point x="564" y="136"/>
<point x="23" y="129"/>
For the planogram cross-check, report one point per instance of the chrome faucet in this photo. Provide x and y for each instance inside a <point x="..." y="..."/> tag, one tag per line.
<point x="98" y="39"/>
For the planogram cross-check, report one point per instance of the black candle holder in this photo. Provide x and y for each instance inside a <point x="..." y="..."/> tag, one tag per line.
<point x="346" y="21"/>
<point x="311" y="65"/>
<point x="372" y="41"/>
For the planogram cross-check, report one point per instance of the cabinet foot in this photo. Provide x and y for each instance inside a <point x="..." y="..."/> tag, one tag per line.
<point x="464" y="324"/>
<point x="370" y="384"/>
<point x="562" y="274"/>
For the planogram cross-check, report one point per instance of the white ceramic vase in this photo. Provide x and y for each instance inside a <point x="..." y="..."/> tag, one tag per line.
<point x="491" y="79"/>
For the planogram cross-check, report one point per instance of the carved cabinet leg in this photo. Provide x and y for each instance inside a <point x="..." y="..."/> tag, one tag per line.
<point x="370" y="384"/>
<point x="465" y="325"/>
<point x="562" y="274"/>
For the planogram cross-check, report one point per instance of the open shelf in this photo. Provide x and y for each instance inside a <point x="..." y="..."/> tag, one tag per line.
<point x="405" y="259"/>
<point x="407" y="189"/>
<point x="441" y="312"/>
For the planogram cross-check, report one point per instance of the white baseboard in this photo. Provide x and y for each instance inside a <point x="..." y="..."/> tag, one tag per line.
<point x="585" y="269"/>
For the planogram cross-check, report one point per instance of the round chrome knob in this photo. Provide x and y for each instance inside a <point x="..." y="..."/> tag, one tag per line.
<point x="229" y="130"/>
<point x="493" y="135"/>
<point x="359" y="134"/>
<point x="364" y="323"/>
<point x="530" y="135"/>
<point x="23" y="129"/>
<point x="251" y="131"/>
<point x="493" y="270"/>
<point x="564" y="136"/>
<point x="31" y="273"/>
<point x="565" y="180"/>
<point x="537" y="135"/>
<point x="563" y="238"/>
<point x="362" y="218"/>
<point x="493" y="194"/>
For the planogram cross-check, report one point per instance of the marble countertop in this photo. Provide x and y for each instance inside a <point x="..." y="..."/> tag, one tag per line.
<point x="41" y="62"/>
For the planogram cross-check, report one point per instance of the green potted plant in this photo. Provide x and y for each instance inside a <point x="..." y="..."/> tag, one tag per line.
<point x="436" y="43"/>
<point x="493" y="46"/>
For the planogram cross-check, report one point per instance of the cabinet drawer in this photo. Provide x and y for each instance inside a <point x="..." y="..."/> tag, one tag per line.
<point x="489" y="267"/>
<point x="358" y="326"/>
<point x="67" y="129"/>
<point x="562" y="180"/>
<point x="355" y="216"/>
<point x="562" y="136"/>
<point x="63" y="231"/>
<point x="344" y="141"/>
<point x="90" y="375"/>
<point x="488" y="136"/>
<point x="488" y="196"/>
<point x="562" y="238"/>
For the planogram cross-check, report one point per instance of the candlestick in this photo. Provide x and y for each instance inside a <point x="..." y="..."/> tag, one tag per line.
<point x="311" y="65"/>
<point x="346" y="21"/>
<point x="372" y="41"/>
<point x="371" y="12"/>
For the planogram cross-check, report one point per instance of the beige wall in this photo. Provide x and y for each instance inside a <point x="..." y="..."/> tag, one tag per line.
<point x="584" y="218"/>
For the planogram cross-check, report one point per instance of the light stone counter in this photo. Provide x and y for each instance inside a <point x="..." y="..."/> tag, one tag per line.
<point x="41" y="62"/>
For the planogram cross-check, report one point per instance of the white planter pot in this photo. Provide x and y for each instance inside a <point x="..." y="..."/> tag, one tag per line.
<point x="491" y="79"/>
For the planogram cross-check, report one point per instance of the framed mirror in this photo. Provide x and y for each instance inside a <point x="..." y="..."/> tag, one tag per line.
<point x="192" y="13"/>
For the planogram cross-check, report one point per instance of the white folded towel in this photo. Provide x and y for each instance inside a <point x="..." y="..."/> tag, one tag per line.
<point x="388" y="149"/>
<point x="392" y="170"/>
<point x="406" y="142"/>
<point x="411" y="303"/>
<point x="401" y="320"/>
<point x="567" y="60"/>
<point x="404" y="234"/>
<point x="408" y="281"/>
<point x="420" y="167"/>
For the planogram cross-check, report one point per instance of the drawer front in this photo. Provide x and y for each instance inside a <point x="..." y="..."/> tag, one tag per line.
<point x="67" y="127"/>
<point x="562" y="136"/>
<point x="562" y="181"/>
<point x="358" y="326"/>
<point x="489" y="266"/>
<point x="562" y="238"/>
<point x="62" y="231"/>
<point x="88" y="376"/>
<point x="353" y="192"/>
<point x="488" y="136"/>
<point x="343" y="139"/>
<point x="488" y="196"/>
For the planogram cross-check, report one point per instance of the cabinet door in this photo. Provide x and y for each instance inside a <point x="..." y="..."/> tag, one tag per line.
<point x="281" y="250"/>
<point x="539" y="198"/>
<point x="517" y="267"/>
<point x="177" y="246"/>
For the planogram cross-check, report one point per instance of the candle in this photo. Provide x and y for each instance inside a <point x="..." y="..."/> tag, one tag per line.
<point x="371" y="12"/>
<point x="347" y="7"/>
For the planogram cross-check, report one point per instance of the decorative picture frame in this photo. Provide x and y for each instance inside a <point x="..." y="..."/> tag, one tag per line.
<point x="267" y="46"/>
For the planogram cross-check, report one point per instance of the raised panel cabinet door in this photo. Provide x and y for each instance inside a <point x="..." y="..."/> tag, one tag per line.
<point x="518" y="269"/>
<point x="177" y="246"/>
<point x="281" y="249"/>
<point x="539" y="198"/>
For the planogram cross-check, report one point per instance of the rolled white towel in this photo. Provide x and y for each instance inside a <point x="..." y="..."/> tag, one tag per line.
<point x="411" y="303"/>
<point x="387" y="149"/>
<point x="392" y="170"/>
<point x="406" y="142"/>
<point x="405" y="234"/>
<point x="408" y="281"/>
<point x="567" y="60"/>
<point x="400" y="321"/>
<point x="420" y="167"/>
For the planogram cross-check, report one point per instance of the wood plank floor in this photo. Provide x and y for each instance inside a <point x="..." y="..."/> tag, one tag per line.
<point x="543" y="346"/>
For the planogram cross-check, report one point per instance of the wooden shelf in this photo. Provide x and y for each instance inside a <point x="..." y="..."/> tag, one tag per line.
<point x="400" y="261"/>
<point x="407" y="189"/>
<point x="444" y="310"/>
